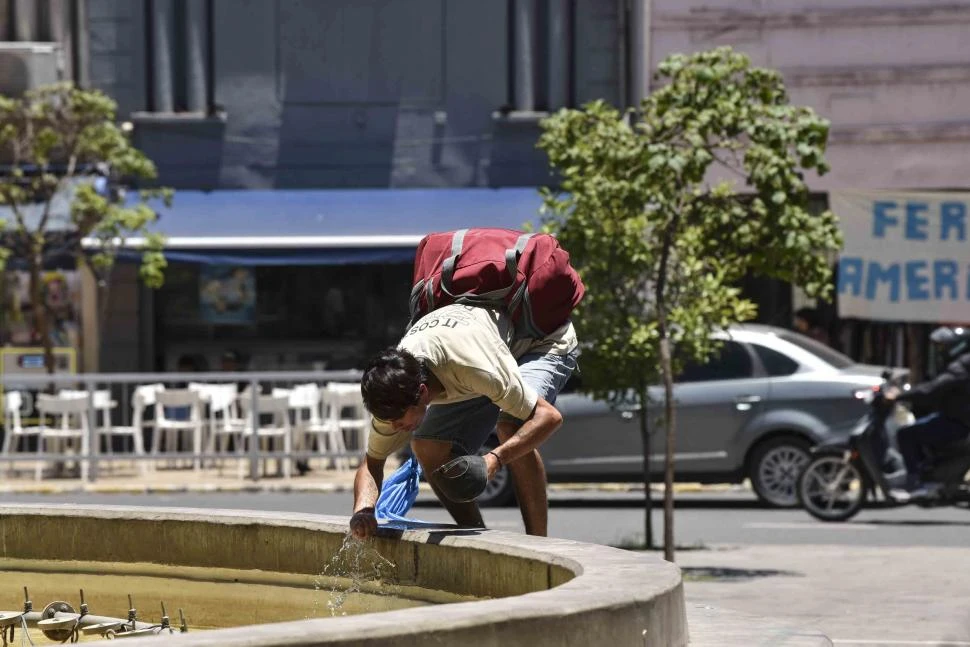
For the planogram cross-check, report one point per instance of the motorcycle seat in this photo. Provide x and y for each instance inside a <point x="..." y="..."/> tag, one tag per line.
<point x="955" y="449"/>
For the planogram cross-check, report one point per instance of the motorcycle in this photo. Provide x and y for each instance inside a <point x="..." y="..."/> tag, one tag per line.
<point x="842" y="476"/>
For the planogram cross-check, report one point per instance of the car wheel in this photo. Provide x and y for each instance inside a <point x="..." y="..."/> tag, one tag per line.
<point x="500" y="491"/>
<point x="775" y="467"/>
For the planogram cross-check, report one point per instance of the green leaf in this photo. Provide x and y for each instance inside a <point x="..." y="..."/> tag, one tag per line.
<point x="625" y="184"/>
<point x="61" y="129"/>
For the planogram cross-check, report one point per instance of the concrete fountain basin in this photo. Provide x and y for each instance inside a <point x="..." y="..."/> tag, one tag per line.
<point x="522" y="590"/>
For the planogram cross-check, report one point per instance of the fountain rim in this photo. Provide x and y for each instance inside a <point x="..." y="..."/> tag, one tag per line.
<point x="604" y="578"/>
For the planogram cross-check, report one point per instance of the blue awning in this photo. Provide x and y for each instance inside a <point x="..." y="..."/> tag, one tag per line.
<point x="327" y="227"/>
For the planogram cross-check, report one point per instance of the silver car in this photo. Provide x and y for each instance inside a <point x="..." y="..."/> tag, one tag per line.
<point x="752" y="412"/>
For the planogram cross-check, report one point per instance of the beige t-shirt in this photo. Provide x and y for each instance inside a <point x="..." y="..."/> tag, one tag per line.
<point x="468" y="349"/>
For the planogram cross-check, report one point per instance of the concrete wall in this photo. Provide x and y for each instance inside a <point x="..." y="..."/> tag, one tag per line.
<point x="116" y="43"/>
<point x="893" y="79"/>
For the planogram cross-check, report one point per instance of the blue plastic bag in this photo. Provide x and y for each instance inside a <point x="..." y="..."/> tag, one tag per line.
<point x="399" y="492"/>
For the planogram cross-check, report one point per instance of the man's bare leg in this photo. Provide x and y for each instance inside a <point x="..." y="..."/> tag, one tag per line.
<point x="529" y="476"/>
<point x="432" y="454"/>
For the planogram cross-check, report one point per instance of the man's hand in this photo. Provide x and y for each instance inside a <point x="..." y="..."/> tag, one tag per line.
<point x="492" y="464"/>
<point x="367" y="488"/>
<point x="891" y="393"/>
<point x="363" y="524"/>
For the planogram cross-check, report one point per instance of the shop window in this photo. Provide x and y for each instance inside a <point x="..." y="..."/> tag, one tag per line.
<point x="283" y="317"/>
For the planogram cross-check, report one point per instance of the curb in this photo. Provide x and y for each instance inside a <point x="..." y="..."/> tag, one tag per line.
<point x="332" y="488"/>
<point x="195" y="488"/>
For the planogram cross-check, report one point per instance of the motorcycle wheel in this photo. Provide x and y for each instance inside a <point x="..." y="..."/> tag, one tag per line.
<point x="831" y="488"/>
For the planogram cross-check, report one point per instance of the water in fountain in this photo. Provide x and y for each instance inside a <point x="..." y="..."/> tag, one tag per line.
<point x="354" y="564"/>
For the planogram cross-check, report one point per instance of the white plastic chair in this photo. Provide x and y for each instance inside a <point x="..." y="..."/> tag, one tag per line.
<point x="69" y="431"/>
<point x="225" y="423"/>
<point x="13" y="429"/>
<point x="279" y="427"/>
<point x="221" y="401"/>
<point x="338" y="398"/>
<point x="169" y="427"/>
<point x="143" y="397"/>
<point x="307" y="398"/>
<point x="103" y="404"/>
<point x="222" y="418"/>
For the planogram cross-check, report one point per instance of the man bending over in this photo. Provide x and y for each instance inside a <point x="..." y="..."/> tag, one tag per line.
<point x="451" y="381"/>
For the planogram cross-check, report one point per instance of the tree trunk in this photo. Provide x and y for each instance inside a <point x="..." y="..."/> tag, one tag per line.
<point x="41" y="323"/>
<point x="670" y="425"/>
<point x="648" y="499"/>
<point x="666" y="370"/>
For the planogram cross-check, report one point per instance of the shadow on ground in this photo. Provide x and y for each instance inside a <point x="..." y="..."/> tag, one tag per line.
<point x="604" y="501"/>
<point x="682" y="504"/>
<point x="724" y="574"/>
<point x="913" y="522"/>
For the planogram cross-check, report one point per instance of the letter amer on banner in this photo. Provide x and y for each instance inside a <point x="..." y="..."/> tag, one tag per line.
<point x="906" y="255"/>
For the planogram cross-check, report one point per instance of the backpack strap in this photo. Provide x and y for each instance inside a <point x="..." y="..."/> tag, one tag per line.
<point x="493" y="298"/>
<point x="448" y="267"/>
<point x="512" y="255"/>
<point x="429" y="292"/>
<point x="415" y="298"/>
<point x="527" y="327"/>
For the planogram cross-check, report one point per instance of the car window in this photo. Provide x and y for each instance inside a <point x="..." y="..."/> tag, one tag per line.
<point x="732" y="363"/>
<point x="775" y="363"/>
<point x="820" y="350"/>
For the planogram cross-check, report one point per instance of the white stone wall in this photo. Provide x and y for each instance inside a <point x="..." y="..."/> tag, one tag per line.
<point x="893" y="78"/>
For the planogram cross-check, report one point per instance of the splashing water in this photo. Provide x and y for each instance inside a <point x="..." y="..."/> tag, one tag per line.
<point x="357" y="561"/>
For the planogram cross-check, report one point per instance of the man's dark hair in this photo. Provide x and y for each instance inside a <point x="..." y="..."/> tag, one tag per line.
<point x="391" y="383"/>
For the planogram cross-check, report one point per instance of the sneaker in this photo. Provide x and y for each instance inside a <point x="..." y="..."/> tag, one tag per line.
<point x="925" y="492"/>
<point x="899" y="495"/>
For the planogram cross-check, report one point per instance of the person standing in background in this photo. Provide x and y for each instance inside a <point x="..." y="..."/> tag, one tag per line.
<point x="808" y="323"/>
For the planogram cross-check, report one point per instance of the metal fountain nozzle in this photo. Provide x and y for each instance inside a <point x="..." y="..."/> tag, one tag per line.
<point x="28" y="605"/>
<point x="132" y="612"/>
<point x="84" y="606"/>
<point x="165" y="621"/>
<point x="183" y="627"/>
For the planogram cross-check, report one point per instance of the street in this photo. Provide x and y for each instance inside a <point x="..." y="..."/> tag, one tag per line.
<point x="614" y="519"/>
<point x="890" y="577"/>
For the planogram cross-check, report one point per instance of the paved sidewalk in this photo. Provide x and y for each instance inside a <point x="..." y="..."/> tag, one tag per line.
<point x="856" y="595"/>
<point x="125" y="478"/>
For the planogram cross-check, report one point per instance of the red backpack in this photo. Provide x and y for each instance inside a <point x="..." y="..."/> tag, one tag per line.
<point x="528" y="275"/>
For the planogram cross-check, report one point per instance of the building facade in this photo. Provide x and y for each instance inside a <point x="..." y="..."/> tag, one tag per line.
<point x="279" y="95"/>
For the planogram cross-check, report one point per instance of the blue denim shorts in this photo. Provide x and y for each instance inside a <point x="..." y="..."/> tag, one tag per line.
<point x="469" y="423"/>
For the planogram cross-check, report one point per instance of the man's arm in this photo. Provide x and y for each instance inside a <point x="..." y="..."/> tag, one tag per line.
<point x="537" y="428"/>
<point x="367" y="487"/>
<point x="929" y="394"/>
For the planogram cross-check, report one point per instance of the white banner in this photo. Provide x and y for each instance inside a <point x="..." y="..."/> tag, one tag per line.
<point x="906" y="256"/>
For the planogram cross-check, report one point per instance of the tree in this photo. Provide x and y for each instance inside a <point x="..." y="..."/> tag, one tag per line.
<point x="661" y="246"/>
<point x="63" y="163"/>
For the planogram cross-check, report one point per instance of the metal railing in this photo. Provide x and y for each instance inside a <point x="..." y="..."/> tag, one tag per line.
<point x="124" y="384"/>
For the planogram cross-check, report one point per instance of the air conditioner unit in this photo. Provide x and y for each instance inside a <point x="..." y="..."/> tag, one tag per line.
<point x="25" y="66"/>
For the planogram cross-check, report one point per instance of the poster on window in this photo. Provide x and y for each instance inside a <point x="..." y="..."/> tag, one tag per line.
<point x="61" y="291"/>
<point x="906" y="256"/>
<point x="227" y="295"/>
